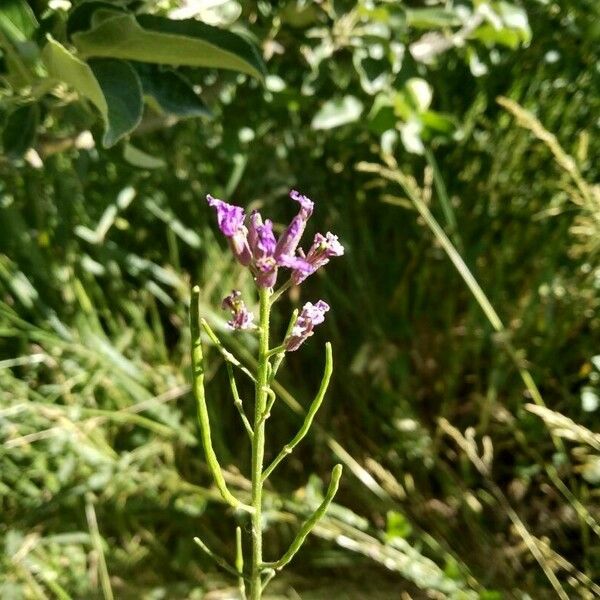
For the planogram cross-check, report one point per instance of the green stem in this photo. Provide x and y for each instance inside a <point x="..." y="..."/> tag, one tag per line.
<point x="310" y="523"/>
<point x="237" y="401"/>
<point x="310" y="415"/>
<point x="258" y="443"/>
<point x="239" y="562"/>
<point x="203" y="420"/>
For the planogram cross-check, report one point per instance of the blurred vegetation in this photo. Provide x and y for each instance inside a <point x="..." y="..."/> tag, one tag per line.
<point x="452" y="147"/>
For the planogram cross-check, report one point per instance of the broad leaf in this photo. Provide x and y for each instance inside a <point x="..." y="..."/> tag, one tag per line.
<point x="123" y="92"/>
<point x="419" y="93"/>
<point x="80" y="18"/>
<point x="112" y="86"/>
<point x="20" y="130"/>
<point x="65" y="66"/>
<point x="17" y="20"/>
<point x="431" y="18"/>
<point x="152" y="39"/>
<point x="172" y="93"/>
<point x="338" y="112"/>
<point x="138" y="158"/>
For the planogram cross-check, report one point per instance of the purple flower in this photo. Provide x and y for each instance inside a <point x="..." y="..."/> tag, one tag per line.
<point x="324" y="247"/>
<point x="311" y="315"/>
<point x="240" y="317"/>
<point x="256" y="246"/>
<point x="231" y="223"/>
<point x="290" y="238"/>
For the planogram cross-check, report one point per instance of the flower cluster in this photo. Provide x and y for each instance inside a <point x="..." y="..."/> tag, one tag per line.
<point x="240" y="317"/>
<point x="311" y="315"/>
<point x="255" y="246"/>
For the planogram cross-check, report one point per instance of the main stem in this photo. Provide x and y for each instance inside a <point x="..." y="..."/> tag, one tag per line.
<point x="258" y="443"/>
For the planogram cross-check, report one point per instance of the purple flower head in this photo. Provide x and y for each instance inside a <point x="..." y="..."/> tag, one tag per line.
<point x="311" y="315"/>
<point x="240" y="317"/>
<point x="256" y="246"/>
<point x="231" y="223"/>
<point x="324" y="247"/>
<point x="290" y="238"/>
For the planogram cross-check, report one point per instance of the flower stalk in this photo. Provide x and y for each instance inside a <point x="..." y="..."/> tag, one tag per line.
<point x="258" y="442"/>
<point x="255" y="247"/>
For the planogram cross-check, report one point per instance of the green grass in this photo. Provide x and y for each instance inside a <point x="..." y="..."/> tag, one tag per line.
<point x="452" y="483"/>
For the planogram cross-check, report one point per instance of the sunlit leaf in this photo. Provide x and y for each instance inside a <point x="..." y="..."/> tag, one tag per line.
<point x="420" y="93"/>
<point x="112" y="86"/>
<point x="335" y="113"/>
<point x="153" y="39"/>
<point x="17" y="19"/>
<point x="138" y="158"/>
<point x="431" y="18"/>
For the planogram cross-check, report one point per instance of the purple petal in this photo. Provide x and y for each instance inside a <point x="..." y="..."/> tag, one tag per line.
<point x="240" y="317"/>
<point x="311" y="315"/>
<point x="295" y="262"/>
<point x="255" y="222"/>
<point x="290" y="238"/>
<point x="306" y="204"/>
<point x="265" y="242"/>
<point x="229" y="216"/>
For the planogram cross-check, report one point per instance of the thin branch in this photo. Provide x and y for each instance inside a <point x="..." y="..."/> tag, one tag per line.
<point x="309" y="524"/>
<point x="218" y="559"/>
<point x="267" y="412"/>
<point x="284" y="288"/>
<point x="310" y="415"/>
<point x="203" y="420"/>
<point x="281" y="355"/>
<point x="228" y="356"/>
<point x="237" y="401"/>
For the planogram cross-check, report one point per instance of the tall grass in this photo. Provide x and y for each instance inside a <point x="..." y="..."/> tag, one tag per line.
<point x="466" y="334"/>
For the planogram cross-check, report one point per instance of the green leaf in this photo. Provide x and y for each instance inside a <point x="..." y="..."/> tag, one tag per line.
<point x="335" y="113"/>
<point x="438" y="122"/>
<point x="381" y="117"/>
<point x="123" y="92"/>
<point x="152" y="39"/>
<point x="80" y="18"/>
<point x="66" y="67"/>
<point x="397" y="525"/>
<point x="431" y="18"/>
<point x="173" y="94"/>
<point x="17" y="20"/>
<point x="419" y="93"/>
<point x="117" y="94"/>
<point x="20" y="130"/>
<point x="138" y="158"/>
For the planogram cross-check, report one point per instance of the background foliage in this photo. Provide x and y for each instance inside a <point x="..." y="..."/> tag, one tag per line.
<point x="465" y="479"/>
